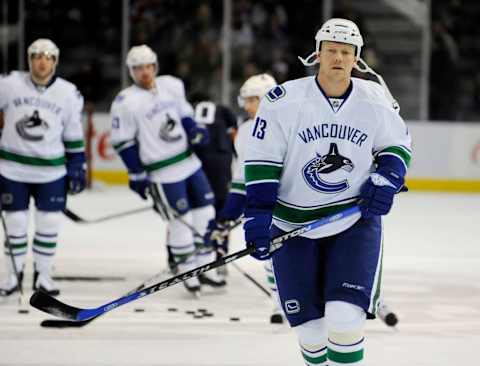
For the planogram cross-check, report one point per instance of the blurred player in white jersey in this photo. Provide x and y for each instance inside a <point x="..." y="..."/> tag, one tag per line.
<point x="251" y="92"/>
<point x="41" y="156"/>
<point x="153" y="131"/>
<point x="318" y="145"/>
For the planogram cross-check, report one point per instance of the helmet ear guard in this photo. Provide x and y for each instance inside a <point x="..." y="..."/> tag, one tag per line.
<point x="141" y="55"/>
<point x="256" y="86"/>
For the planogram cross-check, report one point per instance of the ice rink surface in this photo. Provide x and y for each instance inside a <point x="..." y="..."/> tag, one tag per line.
<point x="431" y="278"/>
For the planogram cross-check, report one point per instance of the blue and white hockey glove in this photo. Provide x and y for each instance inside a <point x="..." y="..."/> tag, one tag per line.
<point x="217" y="235"/>
<point x="76" y="178"/>
<point x="257" y="232"/>
<point x="139" y="183"/>
<point x="377" y="193"/>
<point x="198" y="136"/>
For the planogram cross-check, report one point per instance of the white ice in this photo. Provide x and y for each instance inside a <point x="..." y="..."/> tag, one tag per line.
<point x="431" y="279"/>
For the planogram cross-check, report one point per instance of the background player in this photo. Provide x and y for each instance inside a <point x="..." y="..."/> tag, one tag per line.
<point x="251" y="92"/>
<point x="153" y="131"/>
<point x="42" y="156"/>
<point x="309" y="154"/>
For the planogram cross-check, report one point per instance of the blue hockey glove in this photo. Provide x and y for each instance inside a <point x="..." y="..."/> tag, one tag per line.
<point x="76" y="178"/>
<point x="377" y="193"/>
<point x="257" y="232"/>
<point x="139" y="183"/>
<point x="198" y="136"/>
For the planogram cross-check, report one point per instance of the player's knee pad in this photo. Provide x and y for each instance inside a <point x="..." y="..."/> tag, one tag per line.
<point x="48" y="222"/>
<point x="345" y="322"/>
<point x="201" y="217"/>
<point x="180" y="237"/>
<point x="17" y="223"/>
<point x="312" y="335"/>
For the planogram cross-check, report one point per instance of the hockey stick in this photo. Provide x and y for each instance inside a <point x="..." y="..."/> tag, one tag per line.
<point x="50" y="305"/>
<point x="79" y="220"/>
<point x="59" y="323"/>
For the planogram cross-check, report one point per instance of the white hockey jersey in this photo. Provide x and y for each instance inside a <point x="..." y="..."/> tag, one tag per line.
<point x="152" y="119"/>
<point x="40" y="125"/>
<point x="319" y="150"/>
<point x="238" y="179"/>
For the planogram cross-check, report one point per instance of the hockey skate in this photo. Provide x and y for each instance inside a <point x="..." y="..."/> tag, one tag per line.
<point x="192" y="284"/>
<point x="44" y="283"/>
<point x="10" y="286"/>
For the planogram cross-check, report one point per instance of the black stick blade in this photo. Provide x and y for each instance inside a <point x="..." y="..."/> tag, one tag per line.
<point x="57" y="323"/>
<point x="50" y="305"/>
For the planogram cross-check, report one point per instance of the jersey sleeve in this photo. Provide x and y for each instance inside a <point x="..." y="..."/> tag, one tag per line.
<point x="73" y="136"/>
<point x="392" y="144"/>
<point x="264" y="157"/>
<point x="177" y="87"/>
<point x="124" y="128"/>
<point x="3" y="94"/>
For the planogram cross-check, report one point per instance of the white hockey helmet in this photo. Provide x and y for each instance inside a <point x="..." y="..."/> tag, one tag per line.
<point x="140" y="55"/>
<point x="43" y="46"/>
<point x="336" y="30"/>
<point x="256" y="86"/>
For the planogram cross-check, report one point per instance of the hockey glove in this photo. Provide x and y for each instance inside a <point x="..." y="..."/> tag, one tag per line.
<point x="76" y="178"/>
<point x="139" y="183"/>
<point x="377" y="193"/>
<point x="198" y="136"/>
<point x="217" y="235"/>
<point x="257" y="232"/>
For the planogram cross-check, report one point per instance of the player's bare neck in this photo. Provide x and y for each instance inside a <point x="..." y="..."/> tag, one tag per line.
<point x="333" y="87"/>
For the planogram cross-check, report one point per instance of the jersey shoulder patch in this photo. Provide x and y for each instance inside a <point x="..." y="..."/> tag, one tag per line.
<point x="276" y="93"/>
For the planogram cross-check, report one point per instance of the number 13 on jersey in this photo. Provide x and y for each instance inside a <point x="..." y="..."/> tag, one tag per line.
<point x="259" y="128"/>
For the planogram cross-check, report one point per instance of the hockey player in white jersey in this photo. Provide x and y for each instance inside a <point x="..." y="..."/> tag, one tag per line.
<point x="320" y="144"/>
<point x="251" y="92"/>
<point x="152" y="130"/>
<point x="41" y="156"/>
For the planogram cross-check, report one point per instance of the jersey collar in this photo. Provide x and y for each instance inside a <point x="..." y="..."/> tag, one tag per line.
<point x="335" y="103"/>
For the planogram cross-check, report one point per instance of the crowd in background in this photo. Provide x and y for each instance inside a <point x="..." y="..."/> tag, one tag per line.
<point x="267" y="36"/>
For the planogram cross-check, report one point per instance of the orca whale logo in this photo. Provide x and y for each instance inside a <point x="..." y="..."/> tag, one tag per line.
<point x="166" y="130"/>
<point x="326" y="164"/>
<point x="28" y="125"/>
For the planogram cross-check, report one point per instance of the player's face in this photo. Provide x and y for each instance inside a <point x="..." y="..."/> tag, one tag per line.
<point x="251" y="106"/>
<point x="42" y="66"/>
<point x="336" y="60"/>
<point x="144" y="75"/>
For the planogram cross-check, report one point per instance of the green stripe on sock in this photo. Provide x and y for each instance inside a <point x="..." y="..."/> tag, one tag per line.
<point x="16" y="246"/>
<point x="315" y="360"/>
<point x="341" y="357"/>
<point x="44" y="244"/>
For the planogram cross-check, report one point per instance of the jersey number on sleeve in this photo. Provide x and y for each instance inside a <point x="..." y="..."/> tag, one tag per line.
<point x="259" y="128"/>
<point x="205" y="113"/>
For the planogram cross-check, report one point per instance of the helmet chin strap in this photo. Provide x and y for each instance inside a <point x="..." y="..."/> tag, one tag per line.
<point x="362" y="66"/>
<point x="306" y="61"/>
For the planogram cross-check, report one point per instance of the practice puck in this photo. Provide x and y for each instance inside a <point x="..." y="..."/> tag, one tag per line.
<point x="202" y="310"/>
<point x="391" y="320"/>
<point x="23" y="311"/>
<point x="172" y="310"/>
<point x="234" y="319"/>
<point x="139" y="310"/>
<point x="197" y="316"/>
<point x="207" y="314"/>
<point x="190" y="312"/>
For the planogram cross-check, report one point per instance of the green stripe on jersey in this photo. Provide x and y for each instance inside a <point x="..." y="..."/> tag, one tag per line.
<point x="262" y="172"/>
<point x="31" y="160"/>
<point x="346" y="358"/>
<point x="238" y="186"/>
<point x="401" y="152"/>
<point x="301" y="216"/>
<point x="167" y="162"/>
<point x="75" y="144"/>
